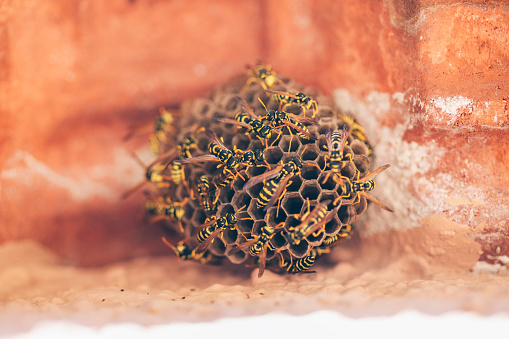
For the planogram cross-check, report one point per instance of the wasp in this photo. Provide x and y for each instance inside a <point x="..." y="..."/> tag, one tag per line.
<point x="343" y="233"/>
<point x="162" y="208"/>
<point x="207" y="197"/>
<point x="224" y="178"/>
<point x="219" y="153"/>
<point x="358" y="131"/>
<point x="361" y="187"/>
<point x="276" y="186"/>
<point x="336" y="142"/>
<point x="250" y="157"/>
<point x="181" y="151"/>
<point x="250" y="121"/>
<point x="286" y="99"/>
<point x="185" y="252"/>
<point x="258" y="246"/>
<point x="207" y="232"/>
<point x="262" y="75"/>
<point x="311" y="222"/>
<point x="304" y="263"/>
<point x="279" y="119"/>
<point x="163" y="125"/>
<point x="153" y="174"/>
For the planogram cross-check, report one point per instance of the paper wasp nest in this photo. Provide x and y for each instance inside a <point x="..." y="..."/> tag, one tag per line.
<point x="308" y="185"/>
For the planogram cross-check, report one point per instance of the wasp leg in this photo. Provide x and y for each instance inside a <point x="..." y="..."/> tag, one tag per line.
<point x="281" y="197"/>
<point x="275" y="140"/>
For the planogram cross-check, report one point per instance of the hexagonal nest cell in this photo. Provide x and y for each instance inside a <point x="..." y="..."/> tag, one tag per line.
<point x="278" y="168"/>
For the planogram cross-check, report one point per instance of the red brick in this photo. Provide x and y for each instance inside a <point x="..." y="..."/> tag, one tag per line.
<point x="73" y="77"/>
<point x="464" y="62"/>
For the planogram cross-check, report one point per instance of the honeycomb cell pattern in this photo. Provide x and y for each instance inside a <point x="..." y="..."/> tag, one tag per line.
<point x="314" y="183"/>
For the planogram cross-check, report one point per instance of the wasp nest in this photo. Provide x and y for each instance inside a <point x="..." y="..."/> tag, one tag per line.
<point x="312" y="186"/>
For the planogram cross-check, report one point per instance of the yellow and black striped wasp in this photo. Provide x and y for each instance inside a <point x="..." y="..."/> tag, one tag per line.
<point x="224" y="178"/>
<point x="286" y="99"/>
<point x="250" y="121"/>
<point x="184" y="251"/>
<point x="208" y="197"/>
<point x="247" y="159"/>
<point x="250" y="157"/>
<point x="357" y="130"/>
<point x="154" y="173"/>
<point x="219" y="153"/>
<point x="155" y="170"/>
<point x="183" y="151"/>
<point x="162" y="126"/>
<point x="262" y="75"/>
<point x="304" y="263"/>
<point x="276" y="182"/>
<point x="361" y="187"/>
<point x="343" y="233"/>
<point x="280" y="119"/>
<point x="162" y="208"/>
<point x="207" y="232"/>
<point x="336" y="142"/>
<point x="311" y="222"/>
<point x="258" y="246"/>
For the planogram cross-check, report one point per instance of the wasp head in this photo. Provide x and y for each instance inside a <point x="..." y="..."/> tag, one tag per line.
<point x="231" y="218"/>
<point x="259" y="154"/>
<point x="297" y="162"/>
<point x="271" y="115"/>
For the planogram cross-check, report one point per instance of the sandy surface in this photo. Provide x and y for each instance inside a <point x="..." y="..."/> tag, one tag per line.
<point x="432" y="269"/>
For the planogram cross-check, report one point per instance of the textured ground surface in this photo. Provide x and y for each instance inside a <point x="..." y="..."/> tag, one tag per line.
<point x="149" y="291"/>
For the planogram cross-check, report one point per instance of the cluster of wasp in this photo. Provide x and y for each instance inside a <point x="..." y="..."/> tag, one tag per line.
<point x="263" y="173"/>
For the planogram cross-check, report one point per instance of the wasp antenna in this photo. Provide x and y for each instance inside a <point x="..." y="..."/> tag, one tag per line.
<point x="167" y="243"/>
<point x="261" y="102"/>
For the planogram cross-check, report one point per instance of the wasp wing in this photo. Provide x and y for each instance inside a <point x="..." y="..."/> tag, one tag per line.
<point x="242" y="246"/>
<point x="200" y="158"/>
<point x="208" y="241"/>
<point x="264" y="176"/>
<point x="263" y="257"/>
<point x="213" y="136"/>
<point x="324" y="221"/>
<point x="374" y="173"/>
<point x="344" y="138"/>
<point x="278" y="192"/>
<point x="375" y="201"/>
<point x="299" y="129"/>
<point x="245" y="107"/>
<point x="132" y="190"/>
<point x="328" y="139"/>
<point x="233" y="122"/>
<point x="205" y="225"/>
<point x="313" y="214"/>
<point x="302" y="118"/>
<point x="286" y="94"/>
